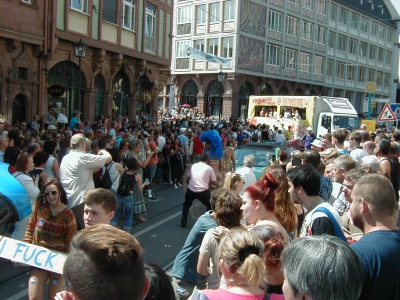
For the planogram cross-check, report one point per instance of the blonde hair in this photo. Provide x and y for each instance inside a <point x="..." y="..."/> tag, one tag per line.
<point x="285" y="209"/>
<point x="231" y="180"/>
<point x="329" y="154"/>
<point x="251" y="265"/>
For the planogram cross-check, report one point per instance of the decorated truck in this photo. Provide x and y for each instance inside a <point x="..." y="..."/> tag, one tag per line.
<point x="323" y="114"/>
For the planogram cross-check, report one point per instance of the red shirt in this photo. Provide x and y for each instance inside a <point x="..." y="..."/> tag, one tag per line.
<point x="197" y="145"/>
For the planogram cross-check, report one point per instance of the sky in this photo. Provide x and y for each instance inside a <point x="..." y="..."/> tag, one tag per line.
<point x="396" y="4"/>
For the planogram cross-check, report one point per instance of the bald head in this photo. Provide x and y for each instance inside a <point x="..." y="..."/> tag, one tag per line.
<point x="369" y="146"/>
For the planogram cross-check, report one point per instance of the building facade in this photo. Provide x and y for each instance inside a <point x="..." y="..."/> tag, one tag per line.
<point x="283" y="47"/>
<point x="126" y="64"/>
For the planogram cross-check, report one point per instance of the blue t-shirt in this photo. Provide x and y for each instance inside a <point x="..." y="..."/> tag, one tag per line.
<point x="72" y="124"/>
<point x="379" y="252"/>
<point x="185" y="264"/>
<point x="308" y="139"/>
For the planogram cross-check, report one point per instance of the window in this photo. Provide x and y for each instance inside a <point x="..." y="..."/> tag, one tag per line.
<point x="81" y="5"/>
<point x="364" y="24"/>
<point x="390" y="36"/>
<point x="293" y="1"/>
<point x="351" y="72"/>
<point x="379" y="78"/>
<point x="371" y="75"/>
<point x="291" y="25"/>
<point x="27" y="1"/>
<point x="229" y="10"/>
<point x="382" y="32"/>
<point x="353" y="46"/>
<point x="128" y="7"/>
<point x="361" y="75"/>
<point x="184" y="14"/>
<point x="372" y="52"/>
<point x="374" y="28"/>
<point x="321" y="7"/>
<point x="307" y="29"/>
<point x="275" y="20"/>
<point x="354" y="21"/>
<point x="181" y="48"/>
<point x="331" y="39"/>
<point x="340" y="70"/>
<point x="273" y="55"/>
<point x="329" y="68"/>
<point x="22" y="73"/>
<point x="318" y="64"/>
<point x="199" y="45"/>
<point x="227" y="44"/>
<point x="321" y="33"/>
<point x="111" y="8"/>
<point x="386" y="80"/>
<point x="381" y="53"/>
<point x="305" y="61"/>
<point x="341" y="44"/>
<point x="363" y="49"/>
<point x="333" y="13"/>
<point x="214" y="12"/>
<point x="213" y="46"/>
<point x="150" y="29"/>
<point x="201" y="13"/>
<point x="343" y="14"/>
<point x="290" y="58"/>
<point x="308" y="4"/>
<point x="388" y="57"/>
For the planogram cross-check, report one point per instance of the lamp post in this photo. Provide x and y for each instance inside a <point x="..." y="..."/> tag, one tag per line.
<point x="80" y="49"/>
<point x="221" y="77"/>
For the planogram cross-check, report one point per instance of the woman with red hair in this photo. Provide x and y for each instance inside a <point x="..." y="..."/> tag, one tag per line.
<point x="259" y="204"/>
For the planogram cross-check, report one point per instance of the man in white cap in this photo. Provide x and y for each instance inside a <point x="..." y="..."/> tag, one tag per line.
<point x="308" y="138"/>
<point x="316" y="145"/>
<point x="76" y="174"/>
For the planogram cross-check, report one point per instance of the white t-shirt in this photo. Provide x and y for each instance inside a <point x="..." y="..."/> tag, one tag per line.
<point x="209" y="247"/>
<point x="200" y="176"/>
<point x="248" y="177"/>
<point x="76" y="174"/>
<point x="48" y="168"/>
<point x="357" y="154"/>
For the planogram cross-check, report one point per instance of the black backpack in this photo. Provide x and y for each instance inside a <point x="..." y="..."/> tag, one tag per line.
<point x="105" y="181"/>
<point x="124" y="189"/>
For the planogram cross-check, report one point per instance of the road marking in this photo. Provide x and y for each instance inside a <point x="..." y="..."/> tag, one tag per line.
<point x="156" y="224"/>
<point x="19" y="295"/>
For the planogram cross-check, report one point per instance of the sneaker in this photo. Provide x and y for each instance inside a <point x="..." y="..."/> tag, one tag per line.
<point x="171" y="182"/>
<point x="151" y="198"/>
<point x="176" y="186"/>
<point x="180" y="185"/>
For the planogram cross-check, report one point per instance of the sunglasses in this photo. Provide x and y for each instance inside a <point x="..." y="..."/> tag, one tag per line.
<point x="53" y="193"/>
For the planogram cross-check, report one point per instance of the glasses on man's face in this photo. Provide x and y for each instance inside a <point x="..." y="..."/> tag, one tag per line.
<point x="53" y="193"/>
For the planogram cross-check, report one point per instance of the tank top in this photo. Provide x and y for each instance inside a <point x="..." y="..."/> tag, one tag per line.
<point x="48" y="168"/>
<point x="114" y="176"/>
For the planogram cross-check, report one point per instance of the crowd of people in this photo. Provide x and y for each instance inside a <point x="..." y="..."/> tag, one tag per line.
<point x="319" y="223"/>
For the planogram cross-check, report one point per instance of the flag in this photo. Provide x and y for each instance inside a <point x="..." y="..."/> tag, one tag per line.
<point x="197" y="54"/>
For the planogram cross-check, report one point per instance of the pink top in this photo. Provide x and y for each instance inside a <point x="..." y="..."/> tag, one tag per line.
<point x="226" y="294"/>
<point x="200" y="176"/>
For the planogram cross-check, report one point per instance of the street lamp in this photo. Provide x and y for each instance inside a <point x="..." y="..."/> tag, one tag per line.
<point x="80" y="49"/>
<point x="221" y="77"/>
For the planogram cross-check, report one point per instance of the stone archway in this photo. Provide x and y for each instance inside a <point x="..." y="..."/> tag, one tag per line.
<point x="214" y="94"/>
<point x="284" y="91"/>
<point x="66" y="74"/>
<point x="120" y="87"/>
<point x="299" y="92"/>
<point x="189" y="93"/>
<point x="19" y="109"/>
<point x="267" y="90"/>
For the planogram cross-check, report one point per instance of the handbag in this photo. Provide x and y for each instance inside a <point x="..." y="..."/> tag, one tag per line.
<point x="124" y="189"/>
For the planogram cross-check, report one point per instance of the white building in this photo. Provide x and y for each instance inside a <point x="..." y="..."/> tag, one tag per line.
<point x="283" y="47"/>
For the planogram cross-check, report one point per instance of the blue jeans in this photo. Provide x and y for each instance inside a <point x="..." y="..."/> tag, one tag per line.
<point x="126" y="202"/>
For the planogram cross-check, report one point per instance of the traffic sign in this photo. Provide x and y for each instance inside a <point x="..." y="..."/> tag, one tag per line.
<point x="370" y="87"/>
<point x="387" y="114"/>
<point x="396" y="110"/>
